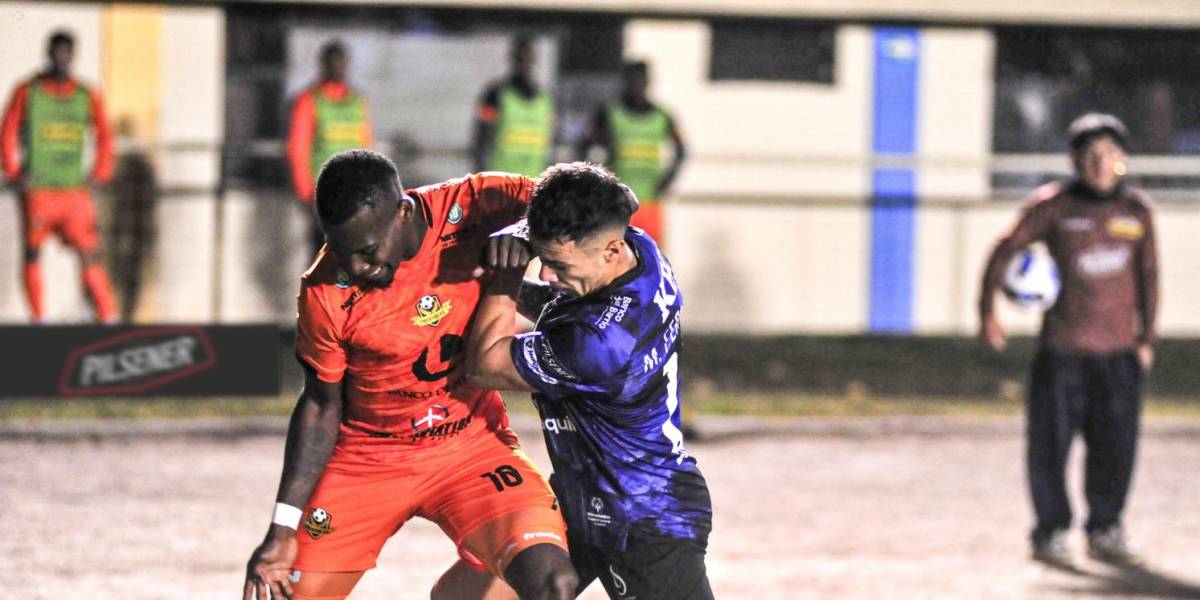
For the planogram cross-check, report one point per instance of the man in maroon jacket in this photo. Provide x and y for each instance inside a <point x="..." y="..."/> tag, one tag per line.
<point x="1096" y="342"/>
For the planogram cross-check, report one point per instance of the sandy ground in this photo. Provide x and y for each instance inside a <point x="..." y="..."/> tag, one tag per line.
<point x="920" y="508"/>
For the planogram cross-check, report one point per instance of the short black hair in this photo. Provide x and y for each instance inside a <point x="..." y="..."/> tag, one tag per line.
<point x="332" y="47"/>
<point x="522" y="42"/>
<point x="61" y="36"/>
<point x="635" y="68"/>
<point x="352" y="180"/>
<point x="573" y="201"/>
<point x="1093" y="125"/>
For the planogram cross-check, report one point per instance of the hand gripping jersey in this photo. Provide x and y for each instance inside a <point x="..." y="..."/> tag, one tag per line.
<point x="606" y="367"/>
<point x="399" y="349"/>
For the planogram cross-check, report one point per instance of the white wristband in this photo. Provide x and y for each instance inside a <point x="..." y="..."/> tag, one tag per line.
<point x="287" y="515"/>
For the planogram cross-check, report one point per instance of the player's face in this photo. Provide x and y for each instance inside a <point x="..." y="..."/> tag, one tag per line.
<point x="578" y="267"/>
<point x="1100" y="164"/>
<point x="334" y="66"/>
<point x="61" y="56"/>
<point x="375" y="240"/>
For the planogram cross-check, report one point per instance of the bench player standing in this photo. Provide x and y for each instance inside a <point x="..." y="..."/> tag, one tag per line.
<point x="385" y="428"/>
<point x="603" y="364"/>
<point x="47" y="120"/>
<point x="1096" y="341"/>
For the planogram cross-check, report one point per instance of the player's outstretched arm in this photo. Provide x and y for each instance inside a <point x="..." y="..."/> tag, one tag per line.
<point x="311" y="435"/>
<point x="489" y="364"/>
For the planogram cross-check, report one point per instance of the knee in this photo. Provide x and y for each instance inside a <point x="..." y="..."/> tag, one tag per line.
<point x="563" y="583"/>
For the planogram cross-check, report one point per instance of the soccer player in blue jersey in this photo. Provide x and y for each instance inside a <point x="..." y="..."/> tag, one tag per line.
<point x="603" y="366"/>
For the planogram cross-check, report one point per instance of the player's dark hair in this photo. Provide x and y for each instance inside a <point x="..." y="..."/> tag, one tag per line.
<point x="521" y="43"/>
<point x="353" y="180"/>
<point x="573" y="201"/>
<point x="331" y="48"/>
<point x="60" y="36"/>
<point x="1093" y="125"/>
<point x="635" y="68"/>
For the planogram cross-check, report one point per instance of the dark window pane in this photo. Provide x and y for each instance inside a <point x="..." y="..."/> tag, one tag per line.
<point x="772" y="51"/>
<point x="1045" y="77"/>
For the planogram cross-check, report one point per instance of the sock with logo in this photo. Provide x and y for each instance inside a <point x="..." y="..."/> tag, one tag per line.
<point x="95" y="280"/>
<point x="33" y="289"/>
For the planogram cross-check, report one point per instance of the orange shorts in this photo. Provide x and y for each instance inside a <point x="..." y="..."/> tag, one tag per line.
<point x="649" y="218"/>
<point x="489" y="499"/>
<point x="68" y="212"/>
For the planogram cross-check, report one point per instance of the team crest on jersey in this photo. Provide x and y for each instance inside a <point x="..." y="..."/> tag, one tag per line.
<point x="454" y="217"/>
<point x="318" y="523"/>
<point x="1126" y="228"/>
<point x="342" y="279"/>
<point x="430" y="311"/>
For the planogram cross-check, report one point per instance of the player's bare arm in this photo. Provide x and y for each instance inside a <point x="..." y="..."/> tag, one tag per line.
<point x="489" y="364"/>
<point x="311" y="435"/>
<point x="678" y="156"/>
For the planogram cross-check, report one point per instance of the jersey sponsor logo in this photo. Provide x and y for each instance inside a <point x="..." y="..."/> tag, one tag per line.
<point x="1103" y="261"/>
<point x="452" y="238"/>
<point x="619" y="583"/>
<point x="542" y="535"/>
<point x="597" y="516"/>
<point x="530" y="353"/>
<point x="454" y="217"/>
<point x="318" y="523"/>
<point x="450" y="347"/>
<point x="547" y="359"/>
<point x="1077" y="224"/>
<point x="615" y="311"/>
<point x="555" y="426"/>
<point x="443" y="429"/>
<point x="342" y="280"/>
<point x="1126" y="228"/>
<point x="430" y="311"/>
<point x="433" y="416"/>
<point x="353" y="299"/>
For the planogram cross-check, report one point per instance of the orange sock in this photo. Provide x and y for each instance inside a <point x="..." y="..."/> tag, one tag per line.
<point x="95" y="279"/>
<point x="33" y="289"/>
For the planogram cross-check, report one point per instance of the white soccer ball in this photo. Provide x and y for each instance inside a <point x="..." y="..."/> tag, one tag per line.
<point x="319" y="515"/>
<point x="427" y="302"/>
<point x="1032" y="280"/>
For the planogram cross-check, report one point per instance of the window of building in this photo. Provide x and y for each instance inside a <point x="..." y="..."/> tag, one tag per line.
<point x="776" y="50"/>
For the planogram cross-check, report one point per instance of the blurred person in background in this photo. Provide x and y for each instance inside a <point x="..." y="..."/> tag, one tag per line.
<point x="386" y="427"/>
<point x="515" y="121"/>
<point x="42" y="141"/>
<point x="602" y="365"/>
<point x="327" y="118"/>
<point x="634" y="133"/>
<point x="1096" y="343"/>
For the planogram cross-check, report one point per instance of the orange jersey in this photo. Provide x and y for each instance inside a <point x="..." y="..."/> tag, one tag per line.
<point x="398" y="350"/>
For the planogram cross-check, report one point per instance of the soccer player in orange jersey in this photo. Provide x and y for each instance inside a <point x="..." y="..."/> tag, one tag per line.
<point x="386" y="428"/>
<point x="42" y="142"/>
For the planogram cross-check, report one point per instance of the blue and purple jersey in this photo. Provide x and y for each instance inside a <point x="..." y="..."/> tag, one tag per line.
<point x="606" y="370"/>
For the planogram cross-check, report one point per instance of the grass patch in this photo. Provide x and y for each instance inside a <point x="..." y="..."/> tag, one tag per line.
<point x="714" y="403"/>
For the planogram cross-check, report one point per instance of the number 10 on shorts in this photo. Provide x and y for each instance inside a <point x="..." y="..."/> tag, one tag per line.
<point x="505" y="476"/>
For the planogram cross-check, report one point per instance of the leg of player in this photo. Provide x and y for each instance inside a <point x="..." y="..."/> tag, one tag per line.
<point x="33" y="284"/>
<point x="462" y="581"/>
<point x="315" y="585"/>
<point x="542" y="572"/>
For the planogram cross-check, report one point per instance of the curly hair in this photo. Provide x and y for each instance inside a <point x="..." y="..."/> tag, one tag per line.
<point x="573" y="201"/>
<point x="352" y="180"/>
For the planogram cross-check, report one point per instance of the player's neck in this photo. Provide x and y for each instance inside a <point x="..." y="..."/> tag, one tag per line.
<point x="625" y="263"/>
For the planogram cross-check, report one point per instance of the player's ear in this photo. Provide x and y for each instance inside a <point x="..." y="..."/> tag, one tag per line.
<point x="614" y="249"/>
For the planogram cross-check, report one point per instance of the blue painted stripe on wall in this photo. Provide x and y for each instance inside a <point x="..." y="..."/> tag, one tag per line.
<point x="893" y="218"/>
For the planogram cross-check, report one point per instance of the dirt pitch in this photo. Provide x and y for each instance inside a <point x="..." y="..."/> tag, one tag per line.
<point x="849" y="508"/>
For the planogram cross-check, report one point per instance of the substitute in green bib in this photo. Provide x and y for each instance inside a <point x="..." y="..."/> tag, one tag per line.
<point x="642" y="145"/>
<point x="45" y="132"/>
<point x="327" y="117"/>
<point x="515" y="122"/>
